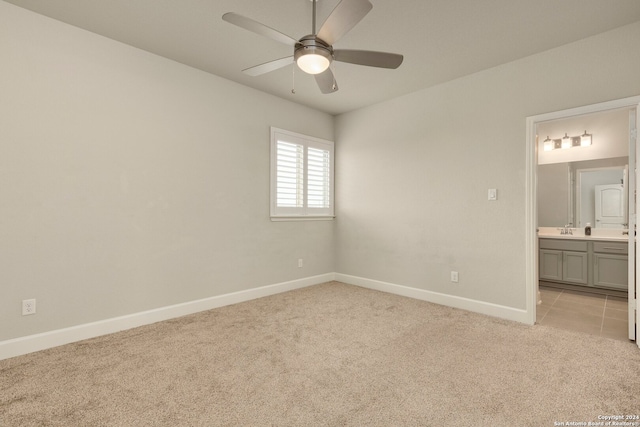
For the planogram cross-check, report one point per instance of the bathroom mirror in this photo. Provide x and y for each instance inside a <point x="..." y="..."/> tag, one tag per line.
<point x="568" y="193"/>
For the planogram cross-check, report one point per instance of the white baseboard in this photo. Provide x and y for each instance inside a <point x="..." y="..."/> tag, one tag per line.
<point x="42" y="341"/>
<point x="476" y="306"/>
<point x="37" y="342"/>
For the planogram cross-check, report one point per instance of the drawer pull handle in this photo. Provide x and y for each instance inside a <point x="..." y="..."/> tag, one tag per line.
<point x="613" y="249"/>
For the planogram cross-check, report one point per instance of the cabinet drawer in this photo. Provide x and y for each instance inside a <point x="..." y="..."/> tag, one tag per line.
<point x="611" y="247"/>
<point x="563" y="245"/>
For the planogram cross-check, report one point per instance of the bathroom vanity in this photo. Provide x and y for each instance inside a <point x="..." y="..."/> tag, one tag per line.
<point x="597" y="261"/>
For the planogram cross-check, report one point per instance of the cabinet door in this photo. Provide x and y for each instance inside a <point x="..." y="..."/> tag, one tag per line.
<point x="550" y="264"/>
<point x="610" y="271"/>
<point x="574" y="267"/>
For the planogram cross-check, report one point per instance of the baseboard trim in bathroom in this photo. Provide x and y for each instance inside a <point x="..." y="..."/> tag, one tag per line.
<point x="589" y="289"/>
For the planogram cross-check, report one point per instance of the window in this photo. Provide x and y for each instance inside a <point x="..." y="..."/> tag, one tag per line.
<point x="301" y="176"/>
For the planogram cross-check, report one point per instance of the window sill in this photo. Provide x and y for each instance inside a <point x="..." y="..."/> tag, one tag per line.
<point x="302" y="218"/>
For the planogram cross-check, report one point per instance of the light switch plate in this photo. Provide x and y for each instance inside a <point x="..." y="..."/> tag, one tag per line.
<point x="493" y="194"/>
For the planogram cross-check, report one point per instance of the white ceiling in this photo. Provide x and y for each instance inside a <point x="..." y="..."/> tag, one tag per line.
<point x="440" y="39"/>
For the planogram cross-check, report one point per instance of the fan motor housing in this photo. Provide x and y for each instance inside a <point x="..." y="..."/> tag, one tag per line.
<point x="312" y="45"/>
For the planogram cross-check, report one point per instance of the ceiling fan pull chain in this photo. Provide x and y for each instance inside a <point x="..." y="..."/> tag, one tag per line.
<point x="293" y="80"/>
<point x="334" y="85"/>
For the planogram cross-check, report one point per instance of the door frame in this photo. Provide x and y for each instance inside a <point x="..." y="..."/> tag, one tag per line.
<point x="531" y="208"/>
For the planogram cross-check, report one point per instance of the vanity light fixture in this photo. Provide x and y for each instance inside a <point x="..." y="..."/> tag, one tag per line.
<point x="549" y="144"/>
<point x="567" y="141"/>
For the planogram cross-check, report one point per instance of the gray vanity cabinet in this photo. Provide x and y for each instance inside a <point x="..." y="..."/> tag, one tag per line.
<point x="564" y="261"/>
<point x="574" y="267"/>
<point x="610" y="265"/>
<point x="601" y="264"/>
<point x="550" y="265"/>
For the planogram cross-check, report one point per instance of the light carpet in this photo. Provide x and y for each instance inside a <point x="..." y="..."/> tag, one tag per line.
<point x="331" y="354"/>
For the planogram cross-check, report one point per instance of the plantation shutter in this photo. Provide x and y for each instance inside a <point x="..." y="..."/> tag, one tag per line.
<point x="318" y="178"/>
<point x="301" y="175"/>
<point x="290" y="175"/>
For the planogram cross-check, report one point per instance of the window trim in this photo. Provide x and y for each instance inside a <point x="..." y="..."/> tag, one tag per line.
<point x="305" y="212"/>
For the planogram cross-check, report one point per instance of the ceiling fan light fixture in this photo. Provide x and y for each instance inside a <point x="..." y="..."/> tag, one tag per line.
<point x="313" y="60"/>
<point x="314" y="52"/>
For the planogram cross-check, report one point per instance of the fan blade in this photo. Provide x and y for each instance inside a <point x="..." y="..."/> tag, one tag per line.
<point x="268" y="66"/>
<point x="258" y="28"/>
<point x="326" y="81"/>
<point x="343" y="18"/>
<point x="369" y="58"/>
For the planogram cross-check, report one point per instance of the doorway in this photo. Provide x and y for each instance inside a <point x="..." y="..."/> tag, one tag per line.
<point x="532" y="280"/>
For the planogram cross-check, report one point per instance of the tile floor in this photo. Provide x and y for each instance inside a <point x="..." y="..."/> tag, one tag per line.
<point x="596" y="314"/>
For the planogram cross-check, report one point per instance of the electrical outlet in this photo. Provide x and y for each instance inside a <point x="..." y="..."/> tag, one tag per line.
<point x="454" y="276"/>
<point x="300" y="262"/>
<point x="28" y="307"/>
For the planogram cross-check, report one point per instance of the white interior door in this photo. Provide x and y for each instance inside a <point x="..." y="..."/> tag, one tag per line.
<point x="610" y="206"/>
<point x="634" y="256"/>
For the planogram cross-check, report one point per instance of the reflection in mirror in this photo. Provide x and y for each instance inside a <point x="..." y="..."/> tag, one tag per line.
<point x="600" y="197"/>
<point x="567" y="193"/>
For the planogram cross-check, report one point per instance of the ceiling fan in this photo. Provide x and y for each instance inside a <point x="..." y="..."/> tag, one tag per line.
<point x="314" y="53"/>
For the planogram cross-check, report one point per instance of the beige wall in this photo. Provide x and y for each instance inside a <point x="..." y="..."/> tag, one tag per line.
<point x="413" y="172"/>
<point x="130" y="182"/>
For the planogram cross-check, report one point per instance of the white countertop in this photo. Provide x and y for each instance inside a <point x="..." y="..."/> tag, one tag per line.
<point x="578" y="234"/>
